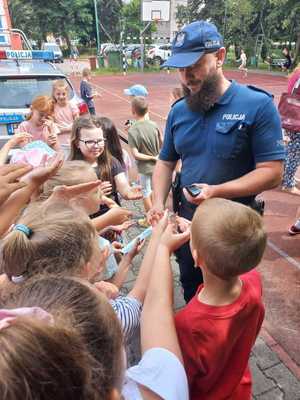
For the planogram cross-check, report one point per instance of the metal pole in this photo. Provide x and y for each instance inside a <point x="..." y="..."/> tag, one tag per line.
<point x="143" y="44"/>
<point x="225" y="21"/>
<point x="97" y="27"/>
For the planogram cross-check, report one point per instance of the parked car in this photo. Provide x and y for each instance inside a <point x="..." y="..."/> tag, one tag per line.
<point x="25" y="75"/>
<point x="158" y="53"/>
<point x="129" y="48"/>
<point x="57" y="53"/>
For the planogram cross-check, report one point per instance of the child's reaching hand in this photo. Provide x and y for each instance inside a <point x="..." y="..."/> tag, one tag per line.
<point x="67" y="193"/>
<point x="19" y="139"/>
<point x="172" y="240"/>
<point x="106" y="187"/>
<point x="108" y="289"/>
<point x="10" y="179"/>
<point x="119" y="229"/>
<point x="40" y="175"/>
<point x="135" y="251"/>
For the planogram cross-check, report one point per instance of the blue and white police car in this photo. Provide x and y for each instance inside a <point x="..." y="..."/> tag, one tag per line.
<point x="25" y="74"/>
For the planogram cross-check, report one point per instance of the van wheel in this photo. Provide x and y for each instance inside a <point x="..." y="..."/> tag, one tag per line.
<point x="157" y="61"/>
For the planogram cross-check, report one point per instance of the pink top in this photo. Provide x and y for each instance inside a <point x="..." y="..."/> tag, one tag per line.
<point x="37" y="132"/>
<point x="293" y="80"/>
<point x="64" y="116"/>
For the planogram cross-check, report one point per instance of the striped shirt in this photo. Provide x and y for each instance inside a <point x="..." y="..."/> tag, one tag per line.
<point x="128" y="310"/>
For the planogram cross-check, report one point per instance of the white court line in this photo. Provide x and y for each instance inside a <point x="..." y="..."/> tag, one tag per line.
<point x="127" y="101"/>
<point x="283" y="254"/>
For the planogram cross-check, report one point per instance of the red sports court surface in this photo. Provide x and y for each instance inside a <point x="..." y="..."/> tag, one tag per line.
<point x="281" y="264"/>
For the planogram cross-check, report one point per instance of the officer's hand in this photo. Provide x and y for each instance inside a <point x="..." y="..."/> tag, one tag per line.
<point x="207" y="192"/>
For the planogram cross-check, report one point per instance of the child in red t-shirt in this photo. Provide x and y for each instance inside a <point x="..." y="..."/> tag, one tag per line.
<point x="219" y="326"/>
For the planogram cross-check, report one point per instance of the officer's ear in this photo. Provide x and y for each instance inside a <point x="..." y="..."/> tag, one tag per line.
<point x="220" y="56"/>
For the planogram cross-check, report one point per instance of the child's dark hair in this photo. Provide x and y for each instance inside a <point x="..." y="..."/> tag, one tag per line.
<point x="139" y="105"/>
<point x="92" y="317"/>
<point x="44" y="362"/>
<point x="228" y="236"/>
<point x="104" y="161"/>
<point x="61" y="242"/>
<point x="112" y="137"/>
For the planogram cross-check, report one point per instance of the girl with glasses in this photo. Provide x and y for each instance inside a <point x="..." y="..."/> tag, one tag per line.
<point x="88" y="144"/>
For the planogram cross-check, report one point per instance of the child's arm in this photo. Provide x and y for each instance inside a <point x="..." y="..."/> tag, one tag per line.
<point x="10" y="210"/>
<point x="119" y="229"/>
<point x="18" y="139"/>
<point x="142" y="281"/>
<point x="75" y="111"/>
<point x="114" y="216"/>
<point x="50" y="133"/>
<point x="126" y="191"/>
<point x="108" y="202"/>
<point x="158" y="304"/>
<point x="142" y="157"/>
<point x="124" y="266"/>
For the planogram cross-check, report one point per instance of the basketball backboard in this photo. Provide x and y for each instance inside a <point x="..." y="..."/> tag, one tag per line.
<point x="155" y="10"/>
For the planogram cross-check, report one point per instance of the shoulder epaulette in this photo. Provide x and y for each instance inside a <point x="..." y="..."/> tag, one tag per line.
<point x="257" y="89"/>
<point x="175" y="102"/>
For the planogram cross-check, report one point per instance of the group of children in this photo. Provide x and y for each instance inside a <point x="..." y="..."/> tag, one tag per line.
<point x="64" y="326"/>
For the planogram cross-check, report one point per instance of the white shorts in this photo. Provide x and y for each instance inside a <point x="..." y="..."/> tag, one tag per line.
<point x="146" y="185"/>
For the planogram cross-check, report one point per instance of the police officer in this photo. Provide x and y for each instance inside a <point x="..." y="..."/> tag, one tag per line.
<point x="227" y="136"/>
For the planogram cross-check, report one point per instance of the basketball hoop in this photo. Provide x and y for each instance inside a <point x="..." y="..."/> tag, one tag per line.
<point x="155" y="11"/>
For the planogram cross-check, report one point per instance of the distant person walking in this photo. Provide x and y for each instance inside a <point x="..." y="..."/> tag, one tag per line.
<point x="293" y="147"/>
<point x="288" y="60"/>
<point x="243" y="61"/>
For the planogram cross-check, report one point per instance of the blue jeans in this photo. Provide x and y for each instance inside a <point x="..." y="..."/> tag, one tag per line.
<point x="190" y="276"/>
<point x="292" y="159"/>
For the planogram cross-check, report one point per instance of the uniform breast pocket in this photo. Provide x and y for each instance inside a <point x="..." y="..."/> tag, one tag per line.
<point x="230" y="138"/>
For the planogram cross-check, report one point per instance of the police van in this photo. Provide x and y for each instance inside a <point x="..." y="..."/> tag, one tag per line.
<point x="24" y="75"/>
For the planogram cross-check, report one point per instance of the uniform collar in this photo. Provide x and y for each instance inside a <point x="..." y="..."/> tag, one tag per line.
<point x="229" y="93"/>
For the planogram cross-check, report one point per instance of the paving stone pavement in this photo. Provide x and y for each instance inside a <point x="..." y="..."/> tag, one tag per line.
<point x="273" y="377"/>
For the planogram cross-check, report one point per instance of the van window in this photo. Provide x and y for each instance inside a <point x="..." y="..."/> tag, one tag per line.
<point x="19" y="93"/>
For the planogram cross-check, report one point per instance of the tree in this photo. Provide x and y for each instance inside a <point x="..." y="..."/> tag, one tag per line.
<point x="133" y="24"/>
<point x="241" y="21"/>
<point x="66" y="18"/>
<point x="110" y="13"/>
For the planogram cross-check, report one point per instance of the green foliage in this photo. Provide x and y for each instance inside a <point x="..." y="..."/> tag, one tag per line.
<point x="66" y="18"/>
<point x="132" y="23"/>
<point x="132" y="19"/>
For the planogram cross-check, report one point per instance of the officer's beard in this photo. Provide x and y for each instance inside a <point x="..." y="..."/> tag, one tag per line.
<point x="206" y="97"/>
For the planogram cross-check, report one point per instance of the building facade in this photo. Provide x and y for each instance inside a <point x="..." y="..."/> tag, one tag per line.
<point x="5" y="23"/>
<point x="8" y="40"/>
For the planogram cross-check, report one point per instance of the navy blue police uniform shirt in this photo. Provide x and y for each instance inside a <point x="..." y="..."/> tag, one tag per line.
<point x="242" y="129"/>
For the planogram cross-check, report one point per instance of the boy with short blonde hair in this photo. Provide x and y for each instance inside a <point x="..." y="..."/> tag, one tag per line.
<point x="219" y="326"/>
